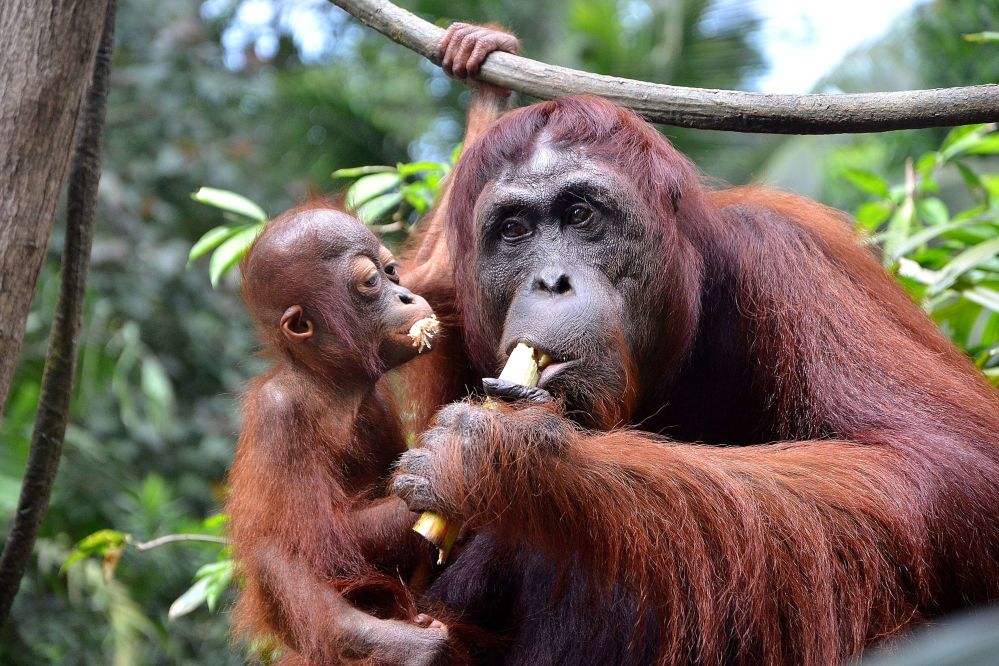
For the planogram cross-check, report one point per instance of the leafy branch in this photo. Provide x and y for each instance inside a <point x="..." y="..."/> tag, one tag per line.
<point x="948" y="262"/>
<point x="210" y="581"/>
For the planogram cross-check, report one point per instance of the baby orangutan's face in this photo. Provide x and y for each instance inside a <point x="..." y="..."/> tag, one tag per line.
<point x="336" y="289"/>
<point x="402" y="317"/>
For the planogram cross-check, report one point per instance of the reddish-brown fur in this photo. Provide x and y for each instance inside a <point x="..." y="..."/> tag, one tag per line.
<point x="308" y="514"/>
<point x="318" y="542"/>
<point x="810" y="466"/>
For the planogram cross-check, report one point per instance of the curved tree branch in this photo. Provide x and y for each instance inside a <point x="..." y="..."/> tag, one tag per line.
<point x="702" y="108"/>
<point x="175" y="538"/>
<point x="60" y="362"/>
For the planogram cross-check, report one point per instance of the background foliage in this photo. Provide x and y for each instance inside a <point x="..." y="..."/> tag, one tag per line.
<point x="267" y="98"/>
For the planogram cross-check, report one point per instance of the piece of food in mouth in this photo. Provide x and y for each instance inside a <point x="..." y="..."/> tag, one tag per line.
<point x="523" y="367"/>
<point x="423" y="332"/>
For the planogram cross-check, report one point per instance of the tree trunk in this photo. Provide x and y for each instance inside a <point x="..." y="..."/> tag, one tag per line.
<point x="48" y="57"/>
<point x="60" y="362"/>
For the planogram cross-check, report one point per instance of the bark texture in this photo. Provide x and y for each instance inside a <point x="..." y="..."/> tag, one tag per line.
<point x="60" y="362"/>
<point x="48" y="58"/>
<point x="702" y="108"/>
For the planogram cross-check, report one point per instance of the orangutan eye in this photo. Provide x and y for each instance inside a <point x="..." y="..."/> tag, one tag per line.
<point x="392" y="271"/>
<point x="367" y="277"/>
<point x="578" y="214"/>
<point x="513" y="229"/>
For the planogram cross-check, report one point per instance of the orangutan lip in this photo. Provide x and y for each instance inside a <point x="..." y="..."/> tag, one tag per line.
<point x="553" y="370"/>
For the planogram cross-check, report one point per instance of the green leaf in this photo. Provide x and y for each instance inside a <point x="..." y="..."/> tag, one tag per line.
<point x="870" y="215"/>
<point x="960" y="139"/>
<point x="369" y="187"/>
<point x="868" y="181"/>
<point x="216" y="522"/>
<point x="987" y="145"/>
<point x="378" y="207"/>
<point x="420" y="196"/>
<point x="211" y="240"/>
<point x="231" y="251"/>
<point x="357" y="172"/>
<point x="156" y="385"/>
<point x="898" y="229"/>
<point x="987" y="298"/>
<point x="983" y="359"/>
<point x="971" y="179"/>
<point x="219" y="575"/>
<point x="195" y="595"/>
<point x="962" y="263"/>
<point x="986" y="36"/>
<point x="928" y="162"/>
<point x="926" y="235"/>
<point x="908" y="268"/>
<point x="230" y="201"/>
<point x="413" y="168"/>
<point x="94" y="545"/>
<point x="933" y="211"/>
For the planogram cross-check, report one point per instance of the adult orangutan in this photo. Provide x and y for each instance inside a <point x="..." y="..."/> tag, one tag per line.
<point x="761" y="451"/>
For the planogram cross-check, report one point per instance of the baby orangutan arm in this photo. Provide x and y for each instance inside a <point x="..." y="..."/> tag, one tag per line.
<point x="297" y="535"/>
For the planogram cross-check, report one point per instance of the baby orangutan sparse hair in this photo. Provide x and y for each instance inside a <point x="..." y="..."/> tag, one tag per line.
<point x="323" y="551"/>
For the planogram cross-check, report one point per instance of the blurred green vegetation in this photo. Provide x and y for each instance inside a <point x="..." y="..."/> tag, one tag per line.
<point x="267" y="98"/>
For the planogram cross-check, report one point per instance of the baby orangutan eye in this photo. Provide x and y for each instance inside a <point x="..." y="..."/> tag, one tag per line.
<point x="392" y="271"/>
<point x="367" y="277"/>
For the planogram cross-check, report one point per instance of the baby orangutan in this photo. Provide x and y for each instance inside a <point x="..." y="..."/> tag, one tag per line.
<point x="321" y="548"/>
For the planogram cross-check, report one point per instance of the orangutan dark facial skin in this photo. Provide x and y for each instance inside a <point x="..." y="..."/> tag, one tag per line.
<point x="558" y="265"/>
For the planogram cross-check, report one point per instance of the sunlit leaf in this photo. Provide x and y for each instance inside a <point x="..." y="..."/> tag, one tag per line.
<point x="872" y="214"/>
<point x="378" y="207"/>
<point x="414" y="168"/>
<point x="194" y="597"/>
<point x="215" y="522"/>
<point x="868" y="181"/>
<point x="987" y="145"/>
<point x="960" y="139"/>
<point x="219" y="575"/>
<point x="369" y="187"/>
<point x="932" y="211"/>
<point x="94" y="545"/>
<point x="910" y="269"/>
<point x="230" y="201"/>
<point x="231" y="251"/>
<point x="927" y="163"/>
<point x="986" y="36"/>
<point x="987" y="298"/>
<point x="211" y="240"/>
<point x="357" y="172"/>
<point x="964" y="262"/>
<point x="926" y="235"/>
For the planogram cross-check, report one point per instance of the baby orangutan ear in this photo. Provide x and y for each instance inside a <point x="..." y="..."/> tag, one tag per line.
<point x="294" y="324"/>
